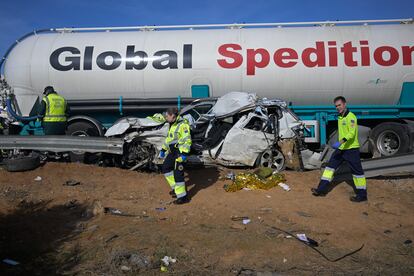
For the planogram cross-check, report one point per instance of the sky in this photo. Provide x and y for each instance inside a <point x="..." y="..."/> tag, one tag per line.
<point x="19" y="17"/>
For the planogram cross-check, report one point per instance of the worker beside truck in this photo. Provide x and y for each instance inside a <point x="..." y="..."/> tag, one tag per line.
<point x="346" y="149"/>
<point x="53" y="112"/>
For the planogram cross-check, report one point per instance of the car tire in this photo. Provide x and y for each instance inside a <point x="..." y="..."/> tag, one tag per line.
<point x="390" y="139"/>
<point x="22" y="163"/>
<point x="271" y="159"/>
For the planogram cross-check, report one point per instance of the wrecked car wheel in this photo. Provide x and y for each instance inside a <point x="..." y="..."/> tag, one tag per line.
<point x="272" y="159"/>
<point x="22" y="163"/>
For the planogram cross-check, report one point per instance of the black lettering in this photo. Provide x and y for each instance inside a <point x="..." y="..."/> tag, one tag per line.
<point x="87" y="62"/>
<point x="167" y="59"/>
<point x="74" y="61"/>
<point x="116" y="60"/>
<point x="132" y="56"/>
<point x="188" y="56"/>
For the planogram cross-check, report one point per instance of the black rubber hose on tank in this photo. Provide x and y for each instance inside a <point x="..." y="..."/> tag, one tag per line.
<point x="11" y="111"/>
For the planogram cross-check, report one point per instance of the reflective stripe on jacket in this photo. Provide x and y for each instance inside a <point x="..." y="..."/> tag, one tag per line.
<point x="348" y="129"/>
<point x="179" y="136"/>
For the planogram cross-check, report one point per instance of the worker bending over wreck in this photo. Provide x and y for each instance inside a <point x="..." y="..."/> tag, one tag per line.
<point x="346" y="149"/>
<point x="175" y="150"/>
<point x="53" y="112"/>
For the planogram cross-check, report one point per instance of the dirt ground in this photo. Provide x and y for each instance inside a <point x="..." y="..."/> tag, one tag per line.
<point x="50" y="228"/>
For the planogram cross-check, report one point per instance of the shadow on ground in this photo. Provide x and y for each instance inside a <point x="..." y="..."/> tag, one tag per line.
<point x="32" y="235"/>
<point x="199" y="179"/>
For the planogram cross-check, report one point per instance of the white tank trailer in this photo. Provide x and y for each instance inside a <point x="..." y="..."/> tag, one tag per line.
<point x="304" y="63"/>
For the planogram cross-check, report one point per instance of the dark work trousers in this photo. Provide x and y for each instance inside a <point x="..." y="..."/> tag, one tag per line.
<point x="55" y="128"/>
<point x="174" y="172"/>
<point x="351" y="156"/>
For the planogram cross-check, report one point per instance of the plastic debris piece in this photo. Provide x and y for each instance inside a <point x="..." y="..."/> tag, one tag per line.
<point x="284" y="260"/>
<point x="288" y="237"/>
<point x="408" y="242"/>
<point x="284" y="186"/>
<point x="10" y="262"/>
<point x="268" y="196"/>
<point x="38" y="178"/>
<point x="237" y="218"/>
<point x="71" y="183"/>
<point x="167" y="260"/>
<point x="163" y="269"/>
<point x="231" y="176"/>
<point x="160" y="209"/>
<point x="253" y="182"/>
<point x="246" y="221"/>
<point x="302" y="237"/>
<point x="110" y="210"/>
<point x="125" y="268"/>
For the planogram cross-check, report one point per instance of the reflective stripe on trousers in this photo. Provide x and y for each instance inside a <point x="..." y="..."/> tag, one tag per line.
<point x="328" y="174"/>
<point x="360" y="181"/>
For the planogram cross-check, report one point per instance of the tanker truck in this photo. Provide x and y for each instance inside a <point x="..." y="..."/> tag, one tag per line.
<point x="112" y="72"/>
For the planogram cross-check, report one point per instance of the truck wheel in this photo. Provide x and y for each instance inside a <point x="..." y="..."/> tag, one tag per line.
<point x="82" y="128"/>
<point x="22" y="163"/>
<point x="272" y="159"/>
<point x="390" y="139"/>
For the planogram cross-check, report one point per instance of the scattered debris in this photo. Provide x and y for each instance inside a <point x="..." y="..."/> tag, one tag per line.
<point x="111" y="238"/>
<point x="231" y="176"/>
<point x="167" y="260"/>
<point x="71" y="204"/>
<point x="284" y="260"/>
<point x="38" y="178"/>
<point x="112" y="211"/>
<point x="408" y="242"/>
<point x="163" y="269"/>
<point x="125" y="268"/>
<point x="237" y="226"/>
<point x="237" y="218"/>
<point x="284" y="186"/>
<point x="387" y="231"/>
<point x="71" y="183"/>
<point x="263" y="172"/>
<point x="10" y="262"/>
<point x="268" y="196"/>
<point x="246" y="221"/>
<point x="253" y="182"/>
<point x="95" y="209"/>
<point x="160" y="209"/>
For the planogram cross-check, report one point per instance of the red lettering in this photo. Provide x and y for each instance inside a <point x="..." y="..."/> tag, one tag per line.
<point x="407" y="55"/>
<point x="379" y="55"/>
<point x="282" y="60"/>
<point x="318" y="51"/>
<point x="252" y="62"/>
<point x="236" y="57"/>
<point x="349" y="51"/>
<point x="333" y="54"/>
<point x="365" y="60"/>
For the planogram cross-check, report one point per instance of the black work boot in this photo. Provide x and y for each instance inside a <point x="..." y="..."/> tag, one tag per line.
<point x="358" y="198"/>
<point x="172" y="194"/>
<point x="181" y="200"/>
<point x="315" y="192"/>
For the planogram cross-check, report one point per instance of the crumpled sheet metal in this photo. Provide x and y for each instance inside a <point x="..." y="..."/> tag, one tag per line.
<point x="252" y="182"/>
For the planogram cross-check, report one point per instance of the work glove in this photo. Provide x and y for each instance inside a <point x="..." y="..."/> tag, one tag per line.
<point x="336" y="145"/>
<point x="161" y="154"/>
<point x="181" y="158"/>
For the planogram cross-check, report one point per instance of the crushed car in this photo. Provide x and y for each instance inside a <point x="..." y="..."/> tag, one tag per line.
<point x="237" y="129"/>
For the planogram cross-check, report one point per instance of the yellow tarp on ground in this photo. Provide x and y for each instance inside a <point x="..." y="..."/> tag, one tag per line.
<point x="253" y="182"/>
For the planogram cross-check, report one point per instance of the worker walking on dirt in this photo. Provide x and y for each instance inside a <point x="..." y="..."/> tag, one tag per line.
<point x="346" y="149"/>
<point x="53" y="112"/>
<point x="175" y="150"/>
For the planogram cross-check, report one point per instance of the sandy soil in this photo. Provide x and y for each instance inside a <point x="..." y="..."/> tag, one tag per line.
<point x="52" y="229"/>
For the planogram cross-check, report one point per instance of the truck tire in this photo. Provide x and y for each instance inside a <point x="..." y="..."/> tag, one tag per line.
<point x="22" y="163"/>
<point x="82" y="128"/>
<point x="390" y="139"/>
